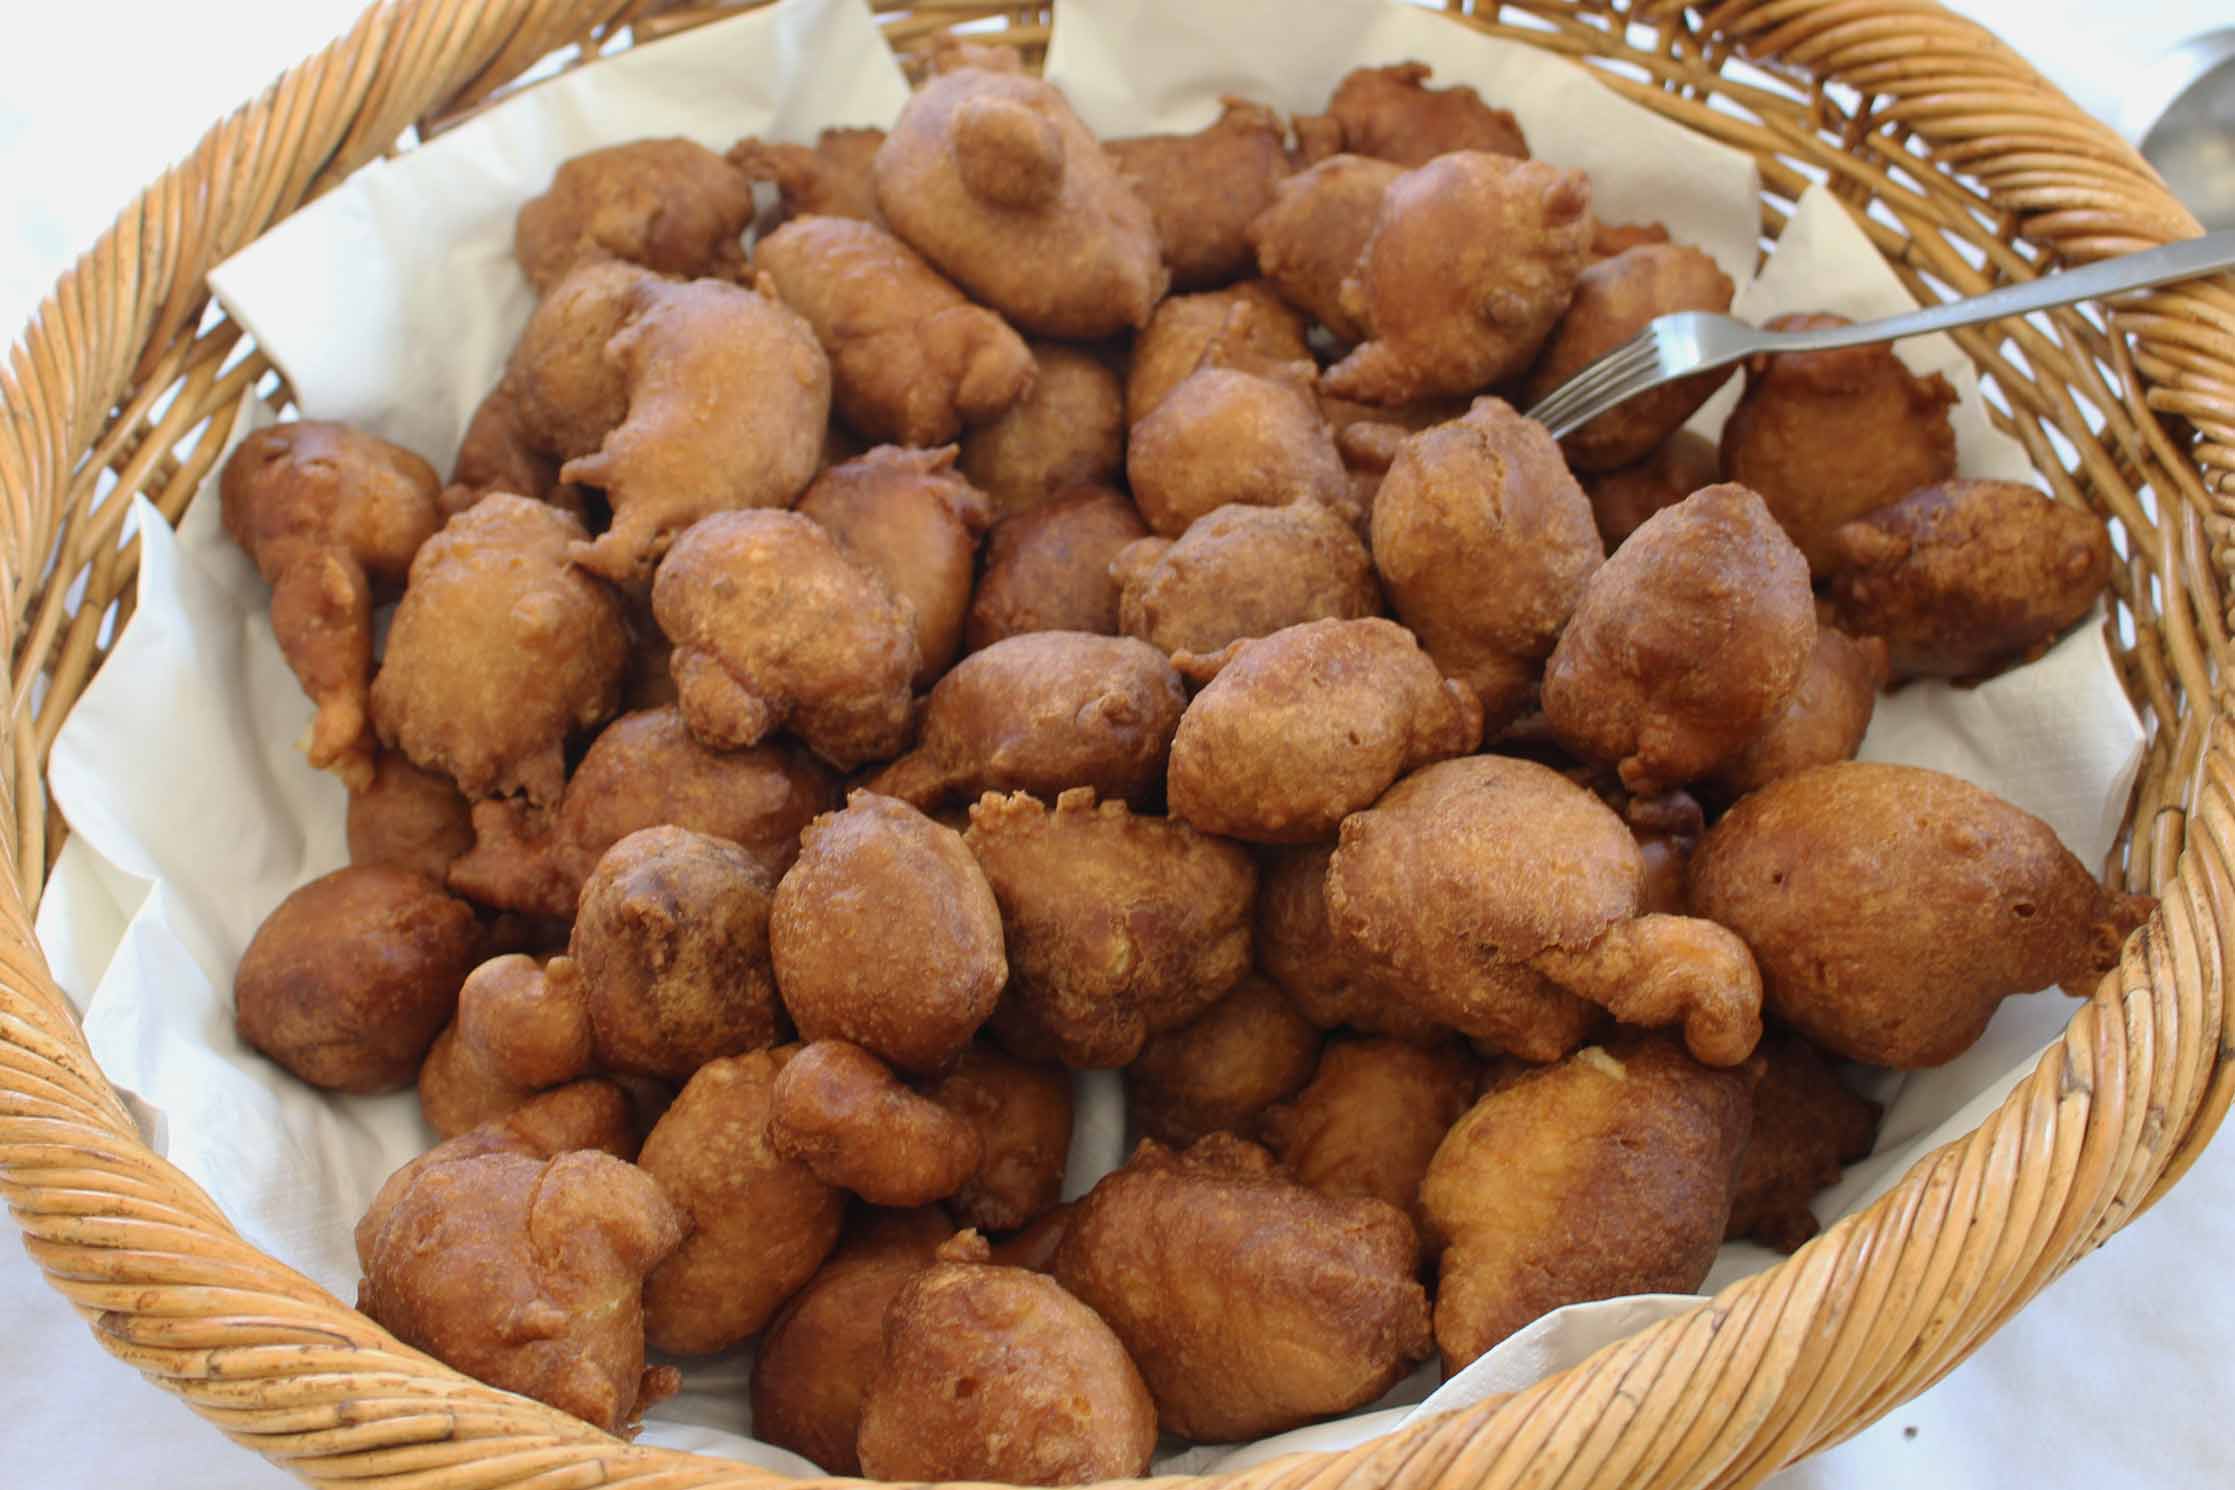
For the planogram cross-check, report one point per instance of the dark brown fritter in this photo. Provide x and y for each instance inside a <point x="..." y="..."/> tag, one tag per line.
<point x="1023" y="1116"/>
<point x="1825" y="719"/>
<point x="1390" y="113"/>
<point x="1806" y="1125"/>
<point x="520" y="1031"/>
<point x="1222" y="1070"/>
<point x="1047" y="568"/>
<point x="1622" y="499"/>
<point x="1202" y="189"/>
<point x="672" y="206"/>
<point x="1330" y="978"/>
<point x="408" y="819"/>
<point x="1067" y="430"/>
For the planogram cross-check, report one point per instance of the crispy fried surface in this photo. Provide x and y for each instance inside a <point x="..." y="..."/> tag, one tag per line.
<point x="831" y="178"/>
<point x="672" y="206"/>
<point x="1331" y="979"/>
<point x="1316" y="230"/>
<point x="1047" y="568"/>
<point x="1372" y="1117"/>
<point x="1249" y="322"/>
<point x="1067" y="429"/>
<point x="1225" y="436"/>
<point x="408" y="818"/>
<point x="1202" y="189"/>
<point x="1223" y="1069"/>
<point x="519" y="1031"/>
<point x="1806" y="1125"/>
<point x="1824" y="720"/>
<point x="1390" y="113"/>
<point x="1624" y="498"/>
<point x="844" y="1114"/>
<point x="1022" y="1113"/>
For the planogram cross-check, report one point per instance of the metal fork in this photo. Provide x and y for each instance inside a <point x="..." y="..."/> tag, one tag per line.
<point x="1676" y="346"/>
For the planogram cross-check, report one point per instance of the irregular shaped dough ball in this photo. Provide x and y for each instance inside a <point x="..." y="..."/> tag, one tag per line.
<point x="1022" y="1113"/>
<point x="1333" y="980"/>
<point x="885" y="933"/>
<point x="1311" y="238"/>
<point x="408" y="819"/>
<point x="1068" y="429"/>
<point x="1824" y="720"/>
<point x="841" y="1112"/>
<point x="519" y="1031"/>
<point x="567" y="394"/>
<point x="1248" y="322"/>
<point x="1372" y="1117"/>
<point x="1202" y="189"/>
<point x="672" y="206"/>
<point x="1221" y="1071"/>
<point x="834" y="177"/>
<point x="1623" y="499"/>
<point x="1225" y="436"/>
<point x="1047" y="568"/>
<point x="1806" y="1125"/>
<point x="1390" y="113"/>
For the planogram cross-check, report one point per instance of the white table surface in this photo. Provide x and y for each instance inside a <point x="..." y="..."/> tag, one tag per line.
<point x="2116" y="1376"/>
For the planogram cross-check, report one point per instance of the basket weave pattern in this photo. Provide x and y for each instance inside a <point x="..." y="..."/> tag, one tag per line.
<point x="1972" y="171"/>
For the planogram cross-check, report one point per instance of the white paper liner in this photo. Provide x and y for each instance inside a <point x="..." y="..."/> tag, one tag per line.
<point x="392" y="303"/>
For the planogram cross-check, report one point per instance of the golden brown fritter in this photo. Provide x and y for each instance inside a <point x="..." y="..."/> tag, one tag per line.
<point x="1224" y="436"/>
<point x="644" y="770"/>
<point x="843" y="1113"/>
<point x="1824" y="720"/>
<point x="1068" y="429"/>
<point x="1047" y="568"/>
<point x="1636" y="1136"/>
<point x="526" y="1273"/>
<point x="1624" y="498"/>
<point x="332" y="518"/>
<point x="671" y="947"/>
<point x="1312" y="237"/>
<point x="990" y="176"/>
<point x="408" y="818"/>
<point x="1372" y="1117"/>
<point x="886" y="934"/>
<point x="1041" y="713"/>
<point x="496" y="453"/>
<point x="1614" y="300"/>
<point x="1023" y="1116"/>
<point x="912" y="522"/>
<point x="350" y="978"/>
<point x="1238" y="573"/>
<point x="672" y="206"/>
<point x="500" y="652"/>
<point x="1118" y="926"/>
<point x="1250" y="1303"/>
<point x="1330" y="978"/>
<point x="728" y="393"/>
<point x="1804" y="415"/>
<point x="777" y="627"/>
<point x="1686" y="644"/>
<point x="831" y="178"/>
<point x="1221" y="1071"/>
<point x="1251" y="325"/>
<point x="567" y="395"/>
<point x="759" y="1224"/>
<point x="1966" y="578"/>
<point x="519" y="1031"/>
<point x="911" y="360"/>
<point x="1390" y="113"/>
<point x="1473" y="259"/>
<point x="1806" y="1125"/>
<point x="1202" y="189"/>
<point x="996" y="1373"/>
<point x="1504" y="895"/>
<point x="1483" y="542"/>
<point x="1893" y="908"/>
<point x="1310" y="724"/>
<point x="812" y="1369"/>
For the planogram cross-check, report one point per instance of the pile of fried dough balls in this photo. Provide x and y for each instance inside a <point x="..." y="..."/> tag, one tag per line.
<point x="1053" y="604"/>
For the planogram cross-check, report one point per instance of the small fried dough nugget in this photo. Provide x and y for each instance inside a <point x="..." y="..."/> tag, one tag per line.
<point x="1635" y="1135"/>
<point x="496" y="453"/>
<point x="728" y="396"/>
<point x="671" y="949"/>
<point x="1250" y="1303"/>
<point x="759" y="1224"/>
<point x="408" y="818"/>
<point x="1487" y="494"/>
<point x="1390" y="113"/>
<point x="1614" y="300"/>
<point x="1825" y="719"/>
<point x="1892" y="908"/>
<point x="1685" y="645"/>
<point x="813" y="1367"/>
<point x="1047" y="568"/>
<point x="1372" y="1117"/>
<point x="1804" y="415"/>
<point x="1220" y="1072"/>
<point x="989" y="175"/>
<point x="1041" y="713"/>
<point x="1067" y="429"/>
<point x="330" y="516"/>
<point x="527" y="1273"/>
<point x="1966" y="578"/>
<point x="671" y="205"/>
<point x="520" y="1030"/>
<point x="776" y="627"/>
<point x="911" y="360"/>
<point x="841" y="1112"/>
<point x="350" y="978"/>
<point x="644" y="770"/>
<point x="1239" y="573"/>
<point x="831" y="178"/>
<point x="1202" y="189"/>
<point x="885" y="933"/>
<point x="1806" y="1125"/>
<point x="1227" y="437"/>
<point x="1623" y="499"/>
<point x="1118" y="926"/>
<point x="567" y="395"/>
<point x="912" y="522"/>
<point x="1313" y="235"/>
<point x="1310" y="724"/>
<point x="1251" y="325"/>
<point x="500" y="651"/>
<point x="1473" y="260"/>
<point x="996" y="1373"/>
<point x="1331" y="979"/>
<point x="1023" y="1116"/>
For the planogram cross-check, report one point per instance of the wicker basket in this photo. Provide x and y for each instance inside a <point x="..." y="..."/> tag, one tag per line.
<point x="1972" y="171"/>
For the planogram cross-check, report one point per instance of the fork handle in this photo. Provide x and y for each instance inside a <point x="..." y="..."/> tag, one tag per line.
<point x="2139" y="271"/>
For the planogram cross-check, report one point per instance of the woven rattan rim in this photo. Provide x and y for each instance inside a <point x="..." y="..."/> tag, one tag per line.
<point x="1973" y="169"/>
